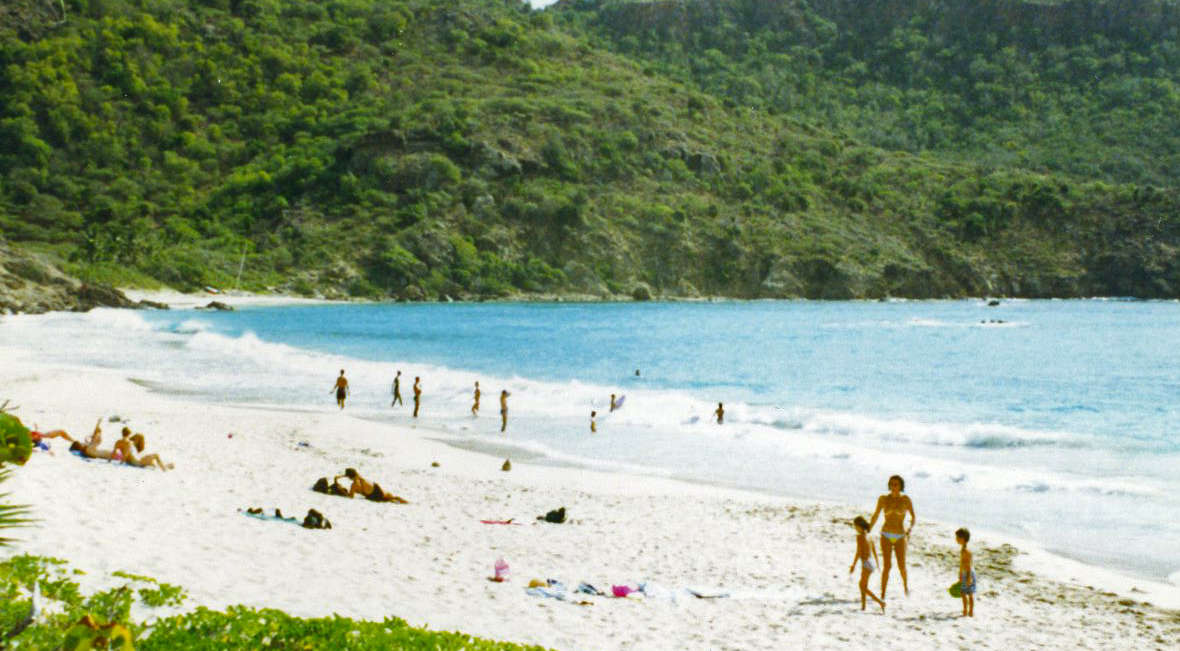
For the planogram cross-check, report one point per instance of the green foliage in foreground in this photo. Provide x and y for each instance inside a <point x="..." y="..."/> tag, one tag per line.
<point x="431" y="148"/>
<point x="15" y="444"/>
<point x="236" y="628"/>
<point x="15" y="447"/>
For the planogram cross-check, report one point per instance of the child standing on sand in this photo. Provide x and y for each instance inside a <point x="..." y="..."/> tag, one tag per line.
<point x="966" y="573"/>
<point x="863" y="548"/>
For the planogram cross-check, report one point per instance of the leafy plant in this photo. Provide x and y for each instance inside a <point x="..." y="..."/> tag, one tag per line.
<point x="15" y="447"/>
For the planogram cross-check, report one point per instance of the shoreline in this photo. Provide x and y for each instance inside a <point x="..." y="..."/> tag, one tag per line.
<point x="1124" y="576"/>
<point x="781" y="558"/>
<point x="181" y="300"/>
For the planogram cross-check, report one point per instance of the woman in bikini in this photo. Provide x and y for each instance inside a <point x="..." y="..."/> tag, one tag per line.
<point x="125" y="453"/>
<point x="894" y="534"/>
<point x="90" y="447"/>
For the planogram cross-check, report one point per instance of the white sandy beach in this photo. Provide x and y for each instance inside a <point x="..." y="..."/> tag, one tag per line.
<point x="782" y="561"/>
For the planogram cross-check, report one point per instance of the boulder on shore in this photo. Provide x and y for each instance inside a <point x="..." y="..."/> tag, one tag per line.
<point x="31" y="284"/>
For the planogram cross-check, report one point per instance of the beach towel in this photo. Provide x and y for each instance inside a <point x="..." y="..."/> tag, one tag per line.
<point x="553" y="589"/>
<point x="277" y="516"/>
<point x="508" y="521"/>
<point x="701" y="594"/>
<point x="78" y="453"/>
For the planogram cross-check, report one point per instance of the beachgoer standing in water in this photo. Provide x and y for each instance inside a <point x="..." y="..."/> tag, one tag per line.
<point x="867" y="565"/>
<point x="593" y="425"/>
<point x="503" y="410"/>
<point x="893" y="532"/>
<point x="417" y="395"/>
<point x="475" y="405"/>
<point x="966" y="573"/>
<point x="397" y="390"/>
<point x="341" y="389"/>
<point x="720" y="413"/>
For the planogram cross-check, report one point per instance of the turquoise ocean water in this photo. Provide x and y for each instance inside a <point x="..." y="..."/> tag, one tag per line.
<point x="1052" y="421"/>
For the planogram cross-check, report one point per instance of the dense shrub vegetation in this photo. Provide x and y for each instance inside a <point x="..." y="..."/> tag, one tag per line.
<point x="73" y="620"/>
<point x="430" y="148"/>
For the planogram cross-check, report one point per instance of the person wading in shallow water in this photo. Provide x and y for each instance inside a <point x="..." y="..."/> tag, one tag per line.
<point x="894" y="535"/>
<point x="341" y="389"/>
<point x="503" y="410"/>
<point x="475" y="405"/>
<point x="720" y="413"/>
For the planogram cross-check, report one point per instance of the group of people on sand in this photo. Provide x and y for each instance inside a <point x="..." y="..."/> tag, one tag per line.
<point x="125" y="450"/>
<point x="894" y="505"/>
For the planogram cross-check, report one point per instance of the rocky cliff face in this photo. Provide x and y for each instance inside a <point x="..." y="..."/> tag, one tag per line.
<point x="31" y="284"/>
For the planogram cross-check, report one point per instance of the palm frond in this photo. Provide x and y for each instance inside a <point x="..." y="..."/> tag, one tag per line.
<point x="11" y="515"/>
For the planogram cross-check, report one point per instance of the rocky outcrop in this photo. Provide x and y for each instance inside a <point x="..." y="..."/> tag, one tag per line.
<point x="29" y="283"/>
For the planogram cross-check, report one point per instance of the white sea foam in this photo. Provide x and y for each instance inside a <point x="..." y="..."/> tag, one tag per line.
<point x="783" y="448"/>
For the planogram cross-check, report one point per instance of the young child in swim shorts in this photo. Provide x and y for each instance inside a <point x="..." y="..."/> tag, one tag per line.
<point x="966" y="573"/>
<point x="864" y="547"/>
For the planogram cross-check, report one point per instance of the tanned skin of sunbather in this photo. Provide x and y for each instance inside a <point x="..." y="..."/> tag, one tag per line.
<point x="123" y="448"/>
<point x="364" y="487"/>
<point x="90" y="447"/>
<point x="894" y="535"/>
<point x="37" y="435"/>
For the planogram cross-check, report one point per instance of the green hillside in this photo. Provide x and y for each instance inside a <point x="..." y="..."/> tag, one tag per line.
<point x="422" y="149"/>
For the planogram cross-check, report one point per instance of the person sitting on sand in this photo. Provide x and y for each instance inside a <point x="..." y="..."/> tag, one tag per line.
<point x="893" y="532"/>
<point x="367" y="489"/>
<point x="124" y="452"/>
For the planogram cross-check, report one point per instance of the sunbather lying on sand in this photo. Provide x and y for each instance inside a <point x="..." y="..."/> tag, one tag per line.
<point x="89" y="448"/>
<point x="124" y="453"/>
<point x="368" y="490"/>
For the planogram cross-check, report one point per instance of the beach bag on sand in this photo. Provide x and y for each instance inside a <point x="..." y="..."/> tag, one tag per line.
<point x="322" y="486"/>
<point x="315" y="520"/>
<point x="556" y="516"/>
<point x="379" y="495"/>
